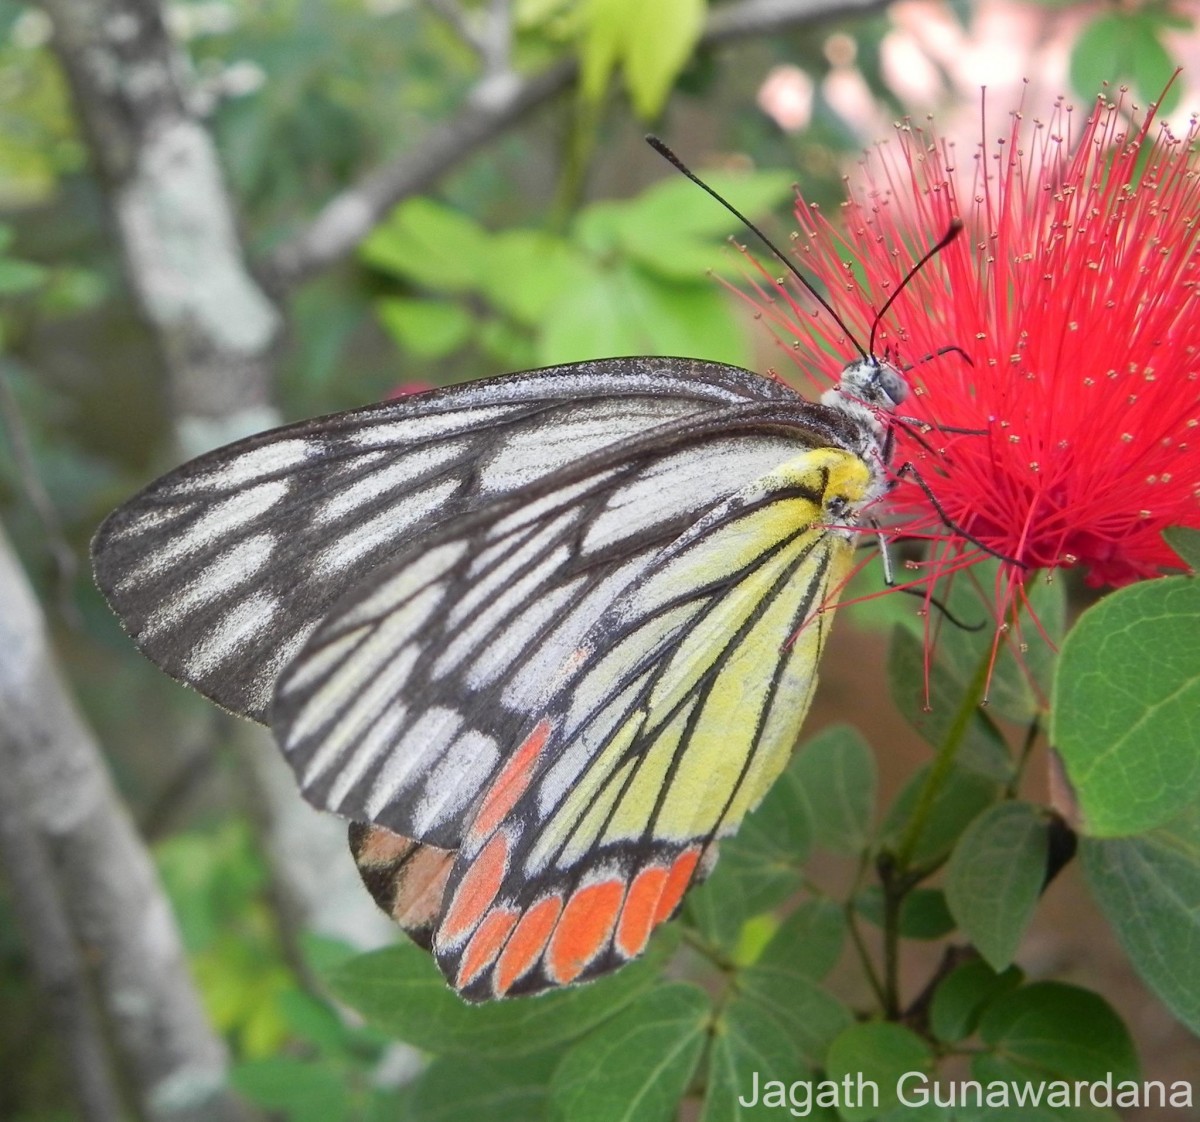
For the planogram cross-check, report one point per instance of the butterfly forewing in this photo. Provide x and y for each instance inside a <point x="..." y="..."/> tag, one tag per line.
<point x="414" y="693"/>
<point x="221" y="569"/>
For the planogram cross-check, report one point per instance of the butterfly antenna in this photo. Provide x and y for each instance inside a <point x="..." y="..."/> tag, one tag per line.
<point x="952" y="232"/>
<point x="671" y="158"/>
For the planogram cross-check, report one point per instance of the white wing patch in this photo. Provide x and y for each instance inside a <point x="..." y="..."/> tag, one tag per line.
<point x="234" y="567"/>
<point x="531" y="454"/>
<point x="380" y="531"/>
<point x="276" y="458"/>
<point x="376" y="484"/>
<point x="236" y="512"/>
<point x="243" y="619"/>
<point x="431" y="426"/>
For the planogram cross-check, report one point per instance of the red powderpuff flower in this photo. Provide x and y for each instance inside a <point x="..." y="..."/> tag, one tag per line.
<point x="1073" y="290"/>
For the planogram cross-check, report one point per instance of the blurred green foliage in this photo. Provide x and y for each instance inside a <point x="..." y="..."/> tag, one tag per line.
<point x="626" y="278"/>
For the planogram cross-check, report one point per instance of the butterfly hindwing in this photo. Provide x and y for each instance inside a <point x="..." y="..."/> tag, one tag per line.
<point x="222" y="568"/>
<point x="687" y="696"/>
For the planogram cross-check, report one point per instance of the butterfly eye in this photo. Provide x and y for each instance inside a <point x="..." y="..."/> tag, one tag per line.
<point x="890" y="383"/>
<point x="875" y="382"/>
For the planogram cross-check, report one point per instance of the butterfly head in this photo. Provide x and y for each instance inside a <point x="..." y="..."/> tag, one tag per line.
<point x="870" y="388"/>
<point x="875" y="382"/>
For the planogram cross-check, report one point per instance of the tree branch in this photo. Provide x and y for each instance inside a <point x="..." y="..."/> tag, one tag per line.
<point x="452" y="13"/>
<point x="496" y="104"/>
<point x="57" y="965"/>
<point x="177" y="226"/>
<point x="748" y="18"/>
<point x="102" y="875"/>
<point x="185" y="262"/>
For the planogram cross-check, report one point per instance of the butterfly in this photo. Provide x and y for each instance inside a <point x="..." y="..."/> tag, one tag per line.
<point x="544" y="639"/>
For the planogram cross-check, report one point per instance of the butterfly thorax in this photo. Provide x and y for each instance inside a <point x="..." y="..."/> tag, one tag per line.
<point x="867" y="393"/>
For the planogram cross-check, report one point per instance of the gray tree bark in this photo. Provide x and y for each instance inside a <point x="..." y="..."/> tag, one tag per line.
<point x="175" y="222"/>
<point x="75" y="861"/>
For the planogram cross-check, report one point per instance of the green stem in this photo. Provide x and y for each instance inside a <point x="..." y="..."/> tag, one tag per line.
<point x="943" y="763"/>
<point x="897" y="877"/>
<point x="893" y="898"/>
<point x="856" y="938"/>
<point x="579" y="146"/>
<point x="1031" y="735"/>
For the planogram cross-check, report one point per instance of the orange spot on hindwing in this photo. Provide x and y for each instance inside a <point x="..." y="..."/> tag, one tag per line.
<point x="586" y="923"/>
<point x="527" y="942"/>
<point x="677" y="883"/>
<point x="406" y="878"/>
<point x="638" y="917"/>
<point x="485" y="945"/>
<point x="511" y="783"/>
<point x="476" y="891"/>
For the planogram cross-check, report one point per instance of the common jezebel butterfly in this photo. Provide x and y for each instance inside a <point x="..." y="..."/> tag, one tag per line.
<point x="543" y="639"/>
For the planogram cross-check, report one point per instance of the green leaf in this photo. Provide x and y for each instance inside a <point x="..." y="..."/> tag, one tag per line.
<point x="603" y="44"/>
<point x="19" y="276"/>
<point x="463" y="1088"/>
<point x="1063" y="1031"/>
<point x="963" y="796"/>
<point x="653" y="41"/>
<point x="595" y="317"/>
<point x="425" y="328"/>
<point x="324" y="954"/>
<point x="923" y="912"/>
<point x="1123" y="46"/>
<point x="1149" y="890"/>
<point x="1185" y="541"/>
<point x="667" y="256"/>
<point x="660" y="41"/>
<point x="1094" y="58"/>
<point x="597" y="228"/>
<point x="1126" y="716"/>
<point x="1032" y="1095"/>
<point x="309" y="1092"/>
<point x="880" y="1052"/>
<point x="528" y="271"/>
<point x="1023" y="669"/>
<point x="624" y="310"/>
<point x="809" y="942"/>
<point x="983" y="749"/>
<point x="695" y="318"/>
<point x="745" y="1042"/>
<point x="636" y="1067"/>
<point x="430" y="244"/>
<point x="835" y="773"/>
<point x="811" y="1016"/>
<point x="919" y="1091"/>
<point x="760" y="866"/>
<point x="314" y="1021"/>
<point x="399" y="990"/>
<point x="719" y="909"/>
<point x="670" y="228"/>
<point x="995" y="876"/>
<point x="508" y="346"/>
<point x="963" y="995"/>
<point x="676" y="204"/>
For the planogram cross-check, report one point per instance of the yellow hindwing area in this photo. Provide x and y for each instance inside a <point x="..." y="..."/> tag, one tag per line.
<point x="747" y="661"/>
